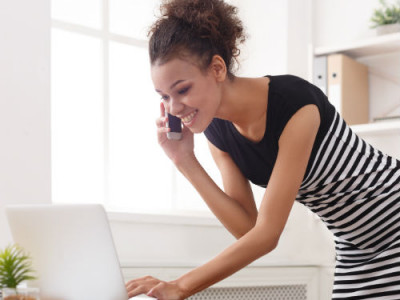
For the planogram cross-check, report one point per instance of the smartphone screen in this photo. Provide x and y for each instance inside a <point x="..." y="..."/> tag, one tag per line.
<point x="176" y="128"/>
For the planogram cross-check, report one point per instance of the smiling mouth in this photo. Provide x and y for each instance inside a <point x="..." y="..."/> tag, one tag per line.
<point x="187" y="119"/>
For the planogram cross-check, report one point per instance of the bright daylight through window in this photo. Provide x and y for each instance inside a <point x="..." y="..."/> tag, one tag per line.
<point x="104" y="146"/>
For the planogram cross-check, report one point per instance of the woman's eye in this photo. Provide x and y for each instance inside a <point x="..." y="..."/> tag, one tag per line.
<point x="164" y="98"/>
<point x="184" y="90"/>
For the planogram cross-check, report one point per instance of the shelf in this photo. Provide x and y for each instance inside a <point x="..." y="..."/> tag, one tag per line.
<point x="365" y="47"/>
<point x="389" y="127"/>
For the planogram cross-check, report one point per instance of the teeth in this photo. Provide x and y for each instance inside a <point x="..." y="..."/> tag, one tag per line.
<point x="189" y="117"/>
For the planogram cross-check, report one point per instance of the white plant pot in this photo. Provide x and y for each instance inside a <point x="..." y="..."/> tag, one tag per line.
<point x="389" y="28"/>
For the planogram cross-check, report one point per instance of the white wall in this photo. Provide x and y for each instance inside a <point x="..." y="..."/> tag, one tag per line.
<point x="299" y="38"/>
<point x="278" y="37"/>
<point x="341" y="21"/>
<point x="24" y="105"/>
<point x="265" y="50"/>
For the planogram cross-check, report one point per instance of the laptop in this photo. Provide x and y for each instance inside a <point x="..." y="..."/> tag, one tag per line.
<point x="72" y="251"/>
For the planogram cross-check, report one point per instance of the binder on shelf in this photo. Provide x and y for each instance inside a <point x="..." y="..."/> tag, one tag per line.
<point x="320" y="73"/>
<point x="348" y="88"/>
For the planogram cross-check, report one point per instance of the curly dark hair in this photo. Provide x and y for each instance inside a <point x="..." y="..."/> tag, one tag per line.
<point x="203" y="28"/>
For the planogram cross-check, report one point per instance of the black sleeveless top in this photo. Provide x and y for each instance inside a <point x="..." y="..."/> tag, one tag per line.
<point x="287" y="94"/>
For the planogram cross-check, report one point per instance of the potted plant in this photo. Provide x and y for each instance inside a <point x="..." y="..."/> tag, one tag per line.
<point x="15" y="268"/>
<point x="386" y="18"/>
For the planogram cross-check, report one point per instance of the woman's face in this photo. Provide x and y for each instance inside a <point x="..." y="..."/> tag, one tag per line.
<point x="187" y="92"/>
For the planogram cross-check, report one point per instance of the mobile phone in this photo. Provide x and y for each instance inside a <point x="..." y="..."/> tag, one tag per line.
<point x="176" y="128"/>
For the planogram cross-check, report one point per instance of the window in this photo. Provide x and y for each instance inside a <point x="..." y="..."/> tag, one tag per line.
<point x="104" y="147"/>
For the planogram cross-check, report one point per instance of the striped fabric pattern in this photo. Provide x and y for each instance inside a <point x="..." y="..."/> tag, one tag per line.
<point x="355" y="189"/>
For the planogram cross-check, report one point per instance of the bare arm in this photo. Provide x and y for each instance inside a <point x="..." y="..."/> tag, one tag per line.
<point x="234" y="207"/>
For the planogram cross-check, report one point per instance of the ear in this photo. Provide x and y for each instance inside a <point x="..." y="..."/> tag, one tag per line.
<point x="218" y="68"/>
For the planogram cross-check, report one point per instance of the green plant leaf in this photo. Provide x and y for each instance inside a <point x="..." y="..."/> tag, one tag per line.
<point x="385" y="14"/>
<point x="15" y="267"/>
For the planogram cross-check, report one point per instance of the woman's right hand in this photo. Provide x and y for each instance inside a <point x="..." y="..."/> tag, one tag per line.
<point x="177" y="150"/>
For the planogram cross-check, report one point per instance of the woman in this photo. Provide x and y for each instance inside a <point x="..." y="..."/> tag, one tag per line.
<point x="279" y="132"/>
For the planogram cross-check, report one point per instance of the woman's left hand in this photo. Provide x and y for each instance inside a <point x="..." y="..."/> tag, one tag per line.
<point x="155" y="288"/>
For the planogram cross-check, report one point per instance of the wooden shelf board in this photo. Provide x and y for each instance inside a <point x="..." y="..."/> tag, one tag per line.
<point x="366" y="47"/>
<point x="387" y="127"/>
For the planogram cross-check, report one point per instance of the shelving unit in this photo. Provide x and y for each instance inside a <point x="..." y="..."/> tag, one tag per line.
<point x="359" y="49"/>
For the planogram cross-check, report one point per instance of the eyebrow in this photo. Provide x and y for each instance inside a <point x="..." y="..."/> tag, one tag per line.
<point x="175" y="83"/>
<point x="172" y="85"/>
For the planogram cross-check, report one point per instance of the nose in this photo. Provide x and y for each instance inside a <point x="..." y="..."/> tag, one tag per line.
<point x="174" y="107"/>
